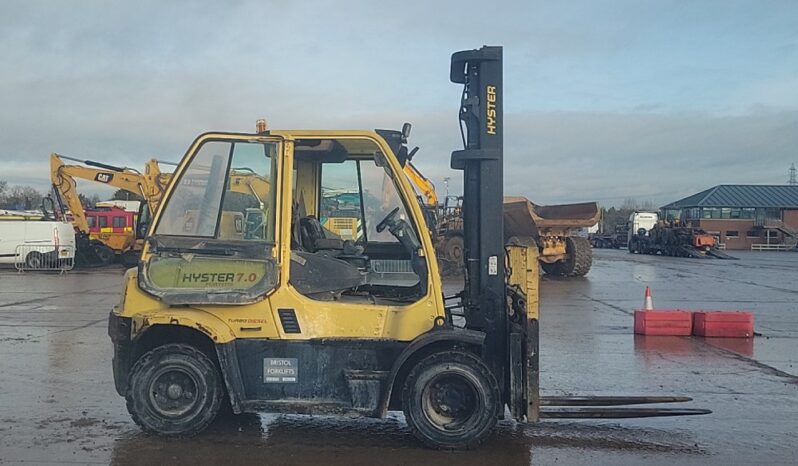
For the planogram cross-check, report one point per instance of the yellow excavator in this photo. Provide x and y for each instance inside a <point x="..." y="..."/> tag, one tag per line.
<point x="103" y="247"/>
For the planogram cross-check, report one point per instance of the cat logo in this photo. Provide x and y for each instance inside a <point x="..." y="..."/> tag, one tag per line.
<point x="491" y="109"/>
<point x="103" y="177"/>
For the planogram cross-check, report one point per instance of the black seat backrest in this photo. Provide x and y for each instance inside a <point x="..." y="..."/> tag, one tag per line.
<point x="310" y="231"/>
<point x="313" y="236"/>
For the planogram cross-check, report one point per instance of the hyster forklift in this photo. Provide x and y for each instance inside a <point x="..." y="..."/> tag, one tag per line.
<point x="301" y="320"/>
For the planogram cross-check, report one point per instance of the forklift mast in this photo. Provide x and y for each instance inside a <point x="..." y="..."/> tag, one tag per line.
<point x="480" y="73"/>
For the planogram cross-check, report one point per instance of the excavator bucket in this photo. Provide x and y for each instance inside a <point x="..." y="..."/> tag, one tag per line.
<point x="522" y="217"/>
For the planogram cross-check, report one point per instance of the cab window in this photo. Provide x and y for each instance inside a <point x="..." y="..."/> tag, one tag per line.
<point x="214" y="238"/>
<point x="225" y="193"/>
<point x="356" y="241"/>
<point x="340" y="209"/>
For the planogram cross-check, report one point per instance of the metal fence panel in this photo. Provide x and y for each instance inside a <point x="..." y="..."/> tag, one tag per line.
<point x="40" y="256"/>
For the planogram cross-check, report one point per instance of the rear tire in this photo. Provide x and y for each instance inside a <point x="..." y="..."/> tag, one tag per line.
<point x="578" y="261"/>
<point x="451" y="400"/>
<point x="174" y="390"/>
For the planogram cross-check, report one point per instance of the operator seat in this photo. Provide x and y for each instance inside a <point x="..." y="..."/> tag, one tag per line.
<point x="313" y="238"/>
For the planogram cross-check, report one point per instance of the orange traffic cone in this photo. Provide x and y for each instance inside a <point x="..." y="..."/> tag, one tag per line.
<point x="648" y="304"/>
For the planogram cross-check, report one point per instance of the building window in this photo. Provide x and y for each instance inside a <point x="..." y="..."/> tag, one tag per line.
<point x="732" y="234"/>
<point x="710" y="212"/>
<point x="119" y="222"/>
<point x="752" y="234"/>
<point x="773" y="234"/>
<point x="773" y="213"/>
<point x="748" y="212"/>
<point x="103" y="221"/>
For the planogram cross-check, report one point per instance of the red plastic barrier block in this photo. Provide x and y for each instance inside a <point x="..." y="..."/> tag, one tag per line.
<point x="730" y="324"/>
<point x="664" y="322"/>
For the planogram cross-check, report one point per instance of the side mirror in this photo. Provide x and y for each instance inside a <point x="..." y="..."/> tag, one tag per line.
<point x="406" y="130"/>
<point x="141" y="230"/>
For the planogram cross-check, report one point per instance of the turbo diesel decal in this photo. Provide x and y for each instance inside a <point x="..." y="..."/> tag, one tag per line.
<point x="491" y="109"/>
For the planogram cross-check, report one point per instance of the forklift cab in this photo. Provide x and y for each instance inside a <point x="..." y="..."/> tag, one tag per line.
<point x="207" y="223"/>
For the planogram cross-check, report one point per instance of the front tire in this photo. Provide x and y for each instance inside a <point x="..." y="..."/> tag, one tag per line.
<point x="578" y="261"/>
<point x="174" y="390"/>
<point x="451" y="400"/>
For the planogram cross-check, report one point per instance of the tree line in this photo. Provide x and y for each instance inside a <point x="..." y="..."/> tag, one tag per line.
<point x="614" y="217"/>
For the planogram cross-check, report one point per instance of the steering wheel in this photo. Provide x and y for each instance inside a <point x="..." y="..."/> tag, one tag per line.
<point x="387" y="220"/>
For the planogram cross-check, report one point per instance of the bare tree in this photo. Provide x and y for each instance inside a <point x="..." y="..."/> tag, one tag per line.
<point x="20" y="197"/>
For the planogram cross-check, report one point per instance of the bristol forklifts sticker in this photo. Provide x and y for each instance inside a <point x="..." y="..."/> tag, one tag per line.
<point x="280" y="370"/>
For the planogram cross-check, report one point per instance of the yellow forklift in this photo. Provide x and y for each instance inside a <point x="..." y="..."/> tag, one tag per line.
<point x="301" y="321"/>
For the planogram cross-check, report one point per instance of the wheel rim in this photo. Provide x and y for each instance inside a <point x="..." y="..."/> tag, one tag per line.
<point x="174" y="392"/>
<point x="455" y="251"/>
<point x="104" y="254"/>
<point x="450" y="401"/>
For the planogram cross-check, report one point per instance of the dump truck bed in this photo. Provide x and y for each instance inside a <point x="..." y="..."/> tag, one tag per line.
<point x="522" y="217"/>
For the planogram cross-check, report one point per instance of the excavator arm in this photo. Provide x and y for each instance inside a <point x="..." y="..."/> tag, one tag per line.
<point x="247" y="182"/>
<point x="154" y="184"/>
<point x="422" y="183"/>
<point x="150" y="185"/>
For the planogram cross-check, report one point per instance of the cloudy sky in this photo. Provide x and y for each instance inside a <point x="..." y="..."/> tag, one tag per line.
<point x="603" y="100"/>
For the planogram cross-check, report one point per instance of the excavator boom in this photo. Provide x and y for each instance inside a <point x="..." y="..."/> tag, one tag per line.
<point x="422" y="183"/>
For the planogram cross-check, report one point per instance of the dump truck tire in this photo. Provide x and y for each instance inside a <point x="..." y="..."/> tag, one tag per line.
<point x="174" y="390"/>
<point x="451" y="400"/>
<point x="453" y="249"/>
<point x="578" y="262"/>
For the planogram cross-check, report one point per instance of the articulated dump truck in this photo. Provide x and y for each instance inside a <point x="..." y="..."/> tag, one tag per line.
<point x="554" y="228"/>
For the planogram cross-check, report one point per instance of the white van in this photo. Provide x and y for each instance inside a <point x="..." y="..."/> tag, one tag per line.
<point x="37" y="244"/>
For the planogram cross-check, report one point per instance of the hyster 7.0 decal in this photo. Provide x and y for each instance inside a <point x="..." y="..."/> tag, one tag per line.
<point x="219" y="277"/>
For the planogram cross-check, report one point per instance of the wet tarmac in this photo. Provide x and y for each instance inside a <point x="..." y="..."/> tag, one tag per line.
<point x="58" y="404"/>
